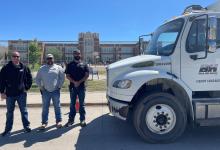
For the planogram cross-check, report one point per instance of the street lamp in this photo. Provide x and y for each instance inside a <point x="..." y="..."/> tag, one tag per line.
<point x="28" y="52"/>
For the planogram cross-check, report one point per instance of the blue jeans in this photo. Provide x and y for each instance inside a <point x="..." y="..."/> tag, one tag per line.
<point x="74" y="92"/>
<point x="46" y="97"/>
<point x="22" y="103"/>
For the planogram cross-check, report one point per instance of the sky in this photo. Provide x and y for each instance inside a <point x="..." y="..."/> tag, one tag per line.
<point x="63" y="20"/>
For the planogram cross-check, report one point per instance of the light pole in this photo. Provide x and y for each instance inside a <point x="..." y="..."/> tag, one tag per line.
<point x="28" y="52"/>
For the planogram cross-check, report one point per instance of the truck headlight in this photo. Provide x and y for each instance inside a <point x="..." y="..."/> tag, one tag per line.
<point x="122" y="84"/>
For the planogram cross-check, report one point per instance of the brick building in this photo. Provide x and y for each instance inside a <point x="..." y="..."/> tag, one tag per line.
<point x="92" y="49"/>
<point x="22" y="47"/>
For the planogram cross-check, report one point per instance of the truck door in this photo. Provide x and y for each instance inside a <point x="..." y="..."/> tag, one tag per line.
<point x="200" y="70"/>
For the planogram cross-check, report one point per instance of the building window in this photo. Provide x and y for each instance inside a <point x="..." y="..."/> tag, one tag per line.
<point x="126" y="50"/>
<point x="107" y="50"/>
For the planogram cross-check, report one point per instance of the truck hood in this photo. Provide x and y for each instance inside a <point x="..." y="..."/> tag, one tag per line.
<point x="134" y="60"/>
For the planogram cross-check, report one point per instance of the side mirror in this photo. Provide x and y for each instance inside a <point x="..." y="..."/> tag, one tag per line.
<point x="212" y="32"/>
<point x="194" y="57"/>
<point x="141" y="41"/>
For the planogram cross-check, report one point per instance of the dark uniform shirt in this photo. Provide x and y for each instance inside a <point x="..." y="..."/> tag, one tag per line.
<point x="77" y="71"/>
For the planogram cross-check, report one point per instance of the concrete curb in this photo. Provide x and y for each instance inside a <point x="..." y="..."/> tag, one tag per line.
<point x="62" y="104"/>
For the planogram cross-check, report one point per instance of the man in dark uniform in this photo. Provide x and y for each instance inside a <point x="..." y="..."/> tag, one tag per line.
<point x="15" y="80"/>
<point x="77" y="73"/>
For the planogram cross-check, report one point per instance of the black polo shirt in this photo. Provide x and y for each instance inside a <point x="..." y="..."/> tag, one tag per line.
<point x="77" y="71"/>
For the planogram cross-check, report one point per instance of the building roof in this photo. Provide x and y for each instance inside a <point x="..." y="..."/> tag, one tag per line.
<point x="118" y="42"/>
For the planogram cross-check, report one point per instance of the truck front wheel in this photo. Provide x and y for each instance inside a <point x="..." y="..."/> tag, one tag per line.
<point x="159" y="118"/>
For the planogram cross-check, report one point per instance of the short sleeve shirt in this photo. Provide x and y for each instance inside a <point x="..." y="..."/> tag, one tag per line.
<point x="77" y="71"/>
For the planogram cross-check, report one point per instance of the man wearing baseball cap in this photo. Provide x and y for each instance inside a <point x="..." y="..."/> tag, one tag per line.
<point x="50" y="79"/>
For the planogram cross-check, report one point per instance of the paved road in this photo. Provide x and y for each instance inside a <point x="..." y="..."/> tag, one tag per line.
<point x="102" y="132"/>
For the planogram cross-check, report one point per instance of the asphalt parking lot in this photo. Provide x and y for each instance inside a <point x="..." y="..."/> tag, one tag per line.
<point x="103" y="131"/>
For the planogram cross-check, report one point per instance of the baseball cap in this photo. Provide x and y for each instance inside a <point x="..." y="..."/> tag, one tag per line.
<point x="76" y="51"/>
<point x="49" y="56"/>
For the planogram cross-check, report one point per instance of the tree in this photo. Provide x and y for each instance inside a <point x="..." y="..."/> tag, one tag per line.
<point x="3" y="54"/>
<point x="56" y="53"/>
<point x="34" y="53"/>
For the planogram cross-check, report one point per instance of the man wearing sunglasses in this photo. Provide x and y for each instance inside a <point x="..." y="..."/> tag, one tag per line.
<point x="50" y="79"/>
<point x="15" y="80"/>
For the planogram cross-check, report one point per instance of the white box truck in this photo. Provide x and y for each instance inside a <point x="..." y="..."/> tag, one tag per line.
<point x="175" y="82"/>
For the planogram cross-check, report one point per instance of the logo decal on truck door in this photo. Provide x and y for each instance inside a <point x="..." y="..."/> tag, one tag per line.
<point x="208" y="69"/>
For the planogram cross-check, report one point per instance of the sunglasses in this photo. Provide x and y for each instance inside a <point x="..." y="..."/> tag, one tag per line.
<point x="49" y="58"/>
<point x="16" y="56"/>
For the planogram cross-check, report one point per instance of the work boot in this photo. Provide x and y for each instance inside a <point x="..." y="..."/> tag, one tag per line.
<point x="82" y="123"/>
<point x="27" y="129"/>
<point x="5" y="133"/>
<point x="59" y="125"/>
<point x="69" y="123"/>
<point x="43" y="126"/>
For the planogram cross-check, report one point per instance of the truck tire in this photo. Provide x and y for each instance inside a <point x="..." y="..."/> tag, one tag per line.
<point x="159" y="118"/>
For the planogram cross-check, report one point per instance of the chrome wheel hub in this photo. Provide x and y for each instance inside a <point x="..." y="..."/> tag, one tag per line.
<point x="160" y="119"/>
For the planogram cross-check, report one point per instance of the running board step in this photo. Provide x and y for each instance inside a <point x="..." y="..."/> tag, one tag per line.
<point x="209" y="122"/>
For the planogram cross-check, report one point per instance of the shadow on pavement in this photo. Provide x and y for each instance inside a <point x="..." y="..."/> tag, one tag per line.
<point x="108" y="133"/>
<point x="35" y="136"/>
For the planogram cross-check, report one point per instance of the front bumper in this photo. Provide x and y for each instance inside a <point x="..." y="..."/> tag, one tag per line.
<point x="118" y="108"/>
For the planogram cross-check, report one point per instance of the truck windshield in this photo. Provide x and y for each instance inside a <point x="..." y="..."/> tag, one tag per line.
<point x="165" y="38"/>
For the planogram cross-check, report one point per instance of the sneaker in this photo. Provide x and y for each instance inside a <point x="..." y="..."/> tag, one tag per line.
<point x="5" y="133"/>
<point x="82" y="123"/>
<point x="59" y="125"/>
<point x="43" y="126"/>
<point x="69" y="123"/>
<point x="27" y="129"/>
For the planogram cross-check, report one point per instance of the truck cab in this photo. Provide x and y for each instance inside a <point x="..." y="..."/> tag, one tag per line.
<point x="175" y="82"/>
